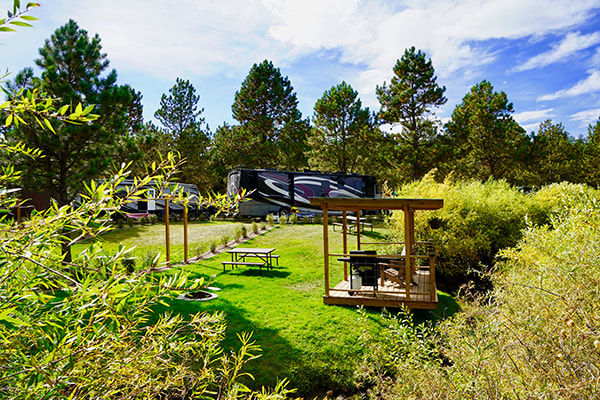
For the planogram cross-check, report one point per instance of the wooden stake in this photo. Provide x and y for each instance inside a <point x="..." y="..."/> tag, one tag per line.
<point x="168" y="255"/>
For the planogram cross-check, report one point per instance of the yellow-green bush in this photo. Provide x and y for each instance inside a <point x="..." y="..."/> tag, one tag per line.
<point x="537" y="336"/>
<point x="477" y="220"/>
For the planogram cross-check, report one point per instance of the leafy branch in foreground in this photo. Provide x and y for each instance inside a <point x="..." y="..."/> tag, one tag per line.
<point x="88" y="328"/>
<point x="39" y="105"/>
<point x="17" y="17"/>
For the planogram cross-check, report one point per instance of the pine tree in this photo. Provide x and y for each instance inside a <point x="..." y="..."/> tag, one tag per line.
<point x="72" y="65"/>
<point x="408" y="102"/>
<point x="343" y="129"/>
<point x="179" y="114"/>
<point x="266" y="108"/>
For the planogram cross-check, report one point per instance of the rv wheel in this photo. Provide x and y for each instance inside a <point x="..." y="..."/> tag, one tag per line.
<point x="284" y="212"/>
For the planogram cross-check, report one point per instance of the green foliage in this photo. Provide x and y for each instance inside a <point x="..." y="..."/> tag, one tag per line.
<point x="84" y="328"/>
<point x="293" y="219"/>
<point x="283" y="220"/>
<point x="270" y="219"/>
<point x="342" y="130"/>
<point x="484" y="140"/>
<point x="130" y="222"/>
<point x="477" y="220"/>
<point x="271" y="131"/>
<point x="408" y="101"/>
<point x="120" y="223"/>
<point x="254" y="227"/>
<point x="539" y="337"/>
<point x="179" y="114"/>
<point x="212" y="246"/>
<point x="72" y="65"/>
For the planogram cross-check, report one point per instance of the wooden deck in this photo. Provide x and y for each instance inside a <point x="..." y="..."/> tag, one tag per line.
<point x="391" y="295"/>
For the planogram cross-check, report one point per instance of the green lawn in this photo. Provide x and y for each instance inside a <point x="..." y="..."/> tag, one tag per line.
<point x="316" y="346"/>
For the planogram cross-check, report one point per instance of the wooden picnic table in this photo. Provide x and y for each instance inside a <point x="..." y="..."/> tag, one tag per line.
<point x="239" y="255"/>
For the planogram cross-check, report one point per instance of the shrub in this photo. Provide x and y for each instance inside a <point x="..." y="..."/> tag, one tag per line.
<point x="293" y="219"/>
<point x="244" y="231"/>
<point x="539" y="337"/>
<point x="143" y="221"/>
<point x="263" y="226"/>
<point x="212" y="246"/>
<point x="130" y="222"/>
<point x="476" y="222"/>
<point x="283" y="220"/>
<point x="318" y="219"/>
<point x="225" y="238"/>
<point x="238" y="233"/>
<point x="198" y="249"/>
<point x="153" y="218"/>
<point x="270" y="219"/>
<point x="120" y="223"/>
<point x="254" y="227"/>
<point x="306" y="220"/>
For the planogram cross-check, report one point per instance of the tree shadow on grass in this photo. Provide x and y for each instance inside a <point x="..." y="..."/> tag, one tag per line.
<point x="278" y="359"/>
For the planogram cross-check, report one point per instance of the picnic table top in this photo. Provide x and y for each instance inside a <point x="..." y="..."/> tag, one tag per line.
<point x="247" y="250"/>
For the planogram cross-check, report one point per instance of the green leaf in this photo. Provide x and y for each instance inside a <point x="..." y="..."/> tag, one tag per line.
<point x="9" y="120"/>
<point x="63" y="109"/>
<point x="21" y="23"/>
<point x="29" y="18"/>
<point x="49" y="125"/>
<point x="6" y="29"/>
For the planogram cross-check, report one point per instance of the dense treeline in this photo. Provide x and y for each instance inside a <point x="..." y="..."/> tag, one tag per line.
<point x="406" y="140"/>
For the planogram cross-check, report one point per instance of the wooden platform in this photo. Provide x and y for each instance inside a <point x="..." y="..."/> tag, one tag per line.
<point x="391" y="295"/>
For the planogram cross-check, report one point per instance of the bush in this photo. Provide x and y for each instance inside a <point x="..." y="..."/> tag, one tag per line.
<point x="263" y="226"/>
<point x="283" y="220"/>
<point x="254" y="227"/>
<point x="318" y="219"/>
<point x="143" y="221"/>
<point x="293" y="219"/>
<point x="120" y="223"/>
<point x="130" y="222"/>
<point x="225" y="238"/>
<point x="244" y="232"/>
<point x="476" y="222"/>
<point x="153" y="218"/>
<point x="212" y="246"/>
<point x="198" y="249"/>
<point x="270" y="219"/>
<point x="539" y="337"/>
<point x="150" y="259"/>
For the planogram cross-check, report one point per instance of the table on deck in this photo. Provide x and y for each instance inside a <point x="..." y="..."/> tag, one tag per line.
<point x="239" y="254"/>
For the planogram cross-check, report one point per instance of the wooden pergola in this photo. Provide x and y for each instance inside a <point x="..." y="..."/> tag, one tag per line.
<point x="419" y="289"/>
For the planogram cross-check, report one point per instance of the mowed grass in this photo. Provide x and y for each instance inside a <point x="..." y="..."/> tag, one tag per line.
<point x="317" y="347"/>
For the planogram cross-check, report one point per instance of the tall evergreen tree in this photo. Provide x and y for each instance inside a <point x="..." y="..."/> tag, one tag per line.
<point x="591" y="161"/>
<point x="179" y="114"/>
<point x="266" y="108"/>
<point x="342" y="130"/>
<point x="408" y="102"/>
<point x="554" y="156"/>
<point x="72" y="65"/>
<point x="483" y="135"/>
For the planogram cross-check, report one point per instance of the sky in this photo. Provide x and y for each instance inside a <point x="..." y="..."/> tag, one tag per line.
<point x="544" y="54"/>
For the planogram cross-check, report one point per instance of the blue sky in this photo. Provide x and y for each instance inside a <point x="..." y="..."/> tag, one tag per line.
<point x="544" y="54"/>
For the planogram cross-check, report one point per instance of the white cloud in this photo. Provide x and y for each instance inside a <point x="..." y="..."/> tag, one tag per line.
<point x="538" y="115"/>
<point x="587" y="116"/>
<point x="572" y="43"/>
<point x="589" y="85"/>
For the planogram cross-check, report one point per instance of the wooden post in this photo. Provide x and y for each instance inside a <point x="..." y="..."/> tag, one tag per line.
<point x="407" y="252"/>
<point x="185" y="234"/>
<point x="326" y="246"/>
<point x="168" y="247"/>
<point x="345" y="241"/>
<point x="432" y="287"/>
<point x="357" y="213"/>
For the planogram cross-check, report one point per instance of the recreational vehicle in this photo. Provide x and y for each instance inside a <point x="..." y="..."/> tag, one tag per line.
<point x="276" y="192"/>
